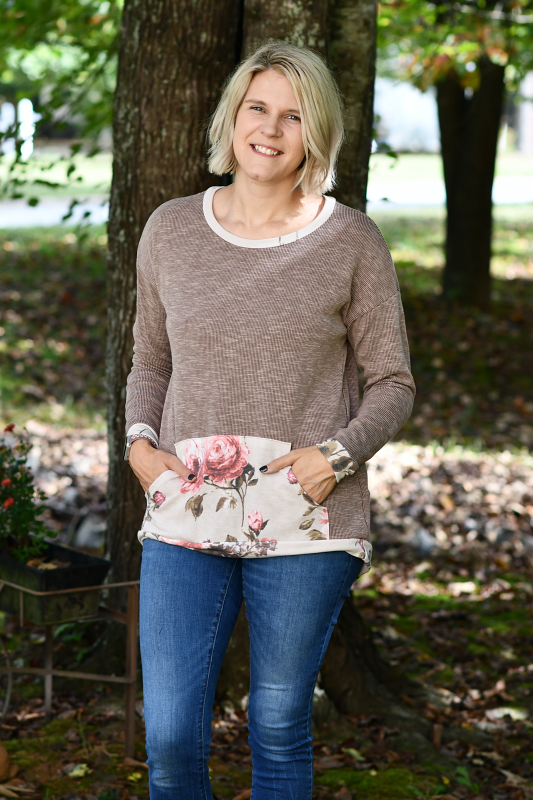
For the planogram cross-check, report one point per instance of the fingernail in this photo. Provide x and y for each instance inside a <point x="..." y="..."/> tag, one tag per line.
<point x="264" y="469"/>
<point x="191" y="476"/>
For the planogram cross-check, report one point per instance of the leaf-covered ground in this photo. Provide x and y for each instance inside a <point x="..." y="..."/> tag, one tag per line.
<point x="449" y="599"/>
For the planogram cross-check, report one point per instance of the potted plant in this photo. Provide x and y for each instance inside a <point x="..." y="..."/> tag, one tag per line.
<point x="28" y="557"/>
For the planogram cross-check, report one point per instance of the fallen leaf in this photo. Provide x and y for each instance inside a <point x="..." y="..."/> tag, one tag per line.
<point x="515" y="780"/>
<point x="5" y="792"/>
<point x="134" y="777"/>
<point x="353" y="753"/>
<point x="132" y="762"/>
<point x="329" y="762"/>
<point x="79" y="771"/>
<point x="343" y="794"/>
<point x="243" y="795"/>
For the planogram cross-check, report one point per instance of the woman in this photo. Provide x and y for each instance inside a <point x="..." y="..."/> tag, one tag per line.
<point x="256" y="304"/>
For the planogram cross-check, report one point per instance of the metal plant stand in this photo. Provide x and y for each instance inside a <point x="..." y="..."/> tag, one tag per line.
<point x="130" y="619"/>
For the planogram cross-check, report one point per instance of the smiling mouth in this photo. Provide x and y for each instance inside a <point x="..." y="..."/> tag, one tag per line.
<point x="266" y="151"/>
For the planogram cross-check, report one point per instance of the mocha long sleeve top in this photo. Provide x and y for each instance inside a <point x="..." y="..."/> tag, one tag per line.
<point x="264" y="338"/>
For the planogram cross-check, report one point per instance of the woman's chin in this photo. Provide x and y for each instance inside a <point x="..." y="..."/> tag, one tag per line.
<point x="266" y="174"/>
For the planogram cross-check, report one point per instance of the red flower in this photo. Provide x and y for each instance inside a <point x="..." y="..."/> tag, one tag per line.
<point x="6" y="482"/>
<point x="159" y="498"/>
<point x="9" y="502"/>
<point x="9" y="427"/>
<point x="225" y="457"/>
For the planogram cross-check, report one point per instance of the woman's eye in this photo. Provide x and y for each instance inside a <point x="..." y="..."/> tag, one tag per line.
<point x="293" y="116"/>
<point x="257" y="108"/>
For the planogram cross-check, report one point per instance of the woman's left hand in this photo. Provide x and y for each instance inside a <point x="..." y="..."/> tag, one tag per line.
<point x="311" y="469"/>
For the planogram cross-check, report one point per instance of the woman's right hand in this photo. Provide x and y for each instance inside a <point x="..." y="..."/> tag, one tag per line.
<point x="148" y="463"/>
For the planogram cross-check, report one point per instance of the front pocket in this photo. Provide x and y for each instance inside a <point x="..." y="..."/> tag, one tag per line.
<point x="230" y="501"/>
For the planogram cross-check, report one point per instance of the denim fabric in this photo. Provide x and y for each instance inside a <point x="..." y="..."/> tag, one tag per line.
<point x="189" y="605"/>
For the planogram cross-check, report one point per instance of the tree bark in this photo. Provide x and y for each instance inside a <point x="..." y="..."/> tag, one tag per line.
<point x="469" y="137"/>
<point x="352" y="53"/>
<point x="173" y="56"/>
<point x="302" y="22"/>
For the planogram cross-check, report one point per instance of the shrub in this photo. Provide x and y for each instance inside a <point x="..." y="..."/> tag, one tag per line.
<point x="22" y="532"/>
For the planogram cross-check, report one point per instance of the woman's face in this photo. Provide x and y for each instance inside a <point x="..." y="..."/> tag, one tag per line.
<point x="267" y="140"/>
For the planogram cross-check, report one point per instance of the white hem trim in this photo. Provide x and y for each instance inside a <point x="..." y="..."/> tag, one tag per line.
<point x="277" y="241"/>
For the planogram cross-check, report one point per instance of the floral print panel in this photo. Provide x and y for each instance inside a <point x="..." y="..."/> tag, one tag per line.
<point x="231" y="508"/>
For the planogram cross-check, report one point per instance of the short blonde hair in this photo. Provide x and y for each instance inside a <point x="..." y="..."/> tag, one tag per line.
<point x="320" y="105"/>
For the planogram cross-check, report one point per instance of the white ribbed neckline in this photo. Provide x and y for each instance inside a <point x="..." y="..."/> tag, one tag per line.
<point x="276" y="241"/>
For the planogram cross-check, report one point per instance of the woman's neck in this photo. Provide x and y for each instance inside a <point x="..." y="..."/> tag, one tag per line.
<point x="256" y="210"/>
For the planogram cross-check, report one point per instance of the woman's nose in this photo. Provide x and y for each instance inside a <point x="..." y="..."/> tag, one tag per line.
<point x="270" y="128"/>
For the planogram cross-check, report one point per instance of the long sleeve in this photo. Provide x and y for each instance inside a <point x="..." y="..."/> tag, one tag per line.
<point x="376" y="332"/>
<point x="152" y="361"/>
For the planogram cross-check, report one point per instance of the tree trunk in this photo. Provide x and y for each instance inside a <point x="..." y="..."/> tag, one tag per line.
<point x="469" y="135"/>
<point x="352" y="53"/>
<point x="303" y="22"/>
<point x="173" y="56"/>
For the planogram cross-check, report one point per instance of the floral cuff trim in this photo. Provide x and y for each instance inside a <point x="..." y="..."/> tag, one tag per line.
<point x="339" y="458"/>
<point x="143" y="431"/>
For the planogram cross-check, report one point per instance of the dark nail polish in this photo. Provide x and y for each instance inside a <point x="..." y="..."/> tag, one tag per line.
<point x="263" y="469"/>
<point x="191" y="476"/>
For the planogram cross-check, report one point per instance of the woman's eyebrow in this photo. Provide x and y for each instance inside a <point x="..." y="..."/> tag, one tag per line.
<point x="263" y="103"/>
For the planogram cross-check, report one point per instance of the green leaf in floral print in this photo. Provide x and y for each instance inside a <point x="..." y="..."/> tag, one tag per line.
<point x="314" y="534"/>
<point x="252" y="483"/>
<point x="195" y="504"/>
<point x="232" y="503"/>
<point x="306" y="524"/>
<point x="231" y="538"/>
<point x="328" y="448"/>
<point x="340" y="464"/>
<point x="238" y="482"/>
<point x="309" y="511"/>
<point x="248" y="472"/>
<point x="221" y="503"/>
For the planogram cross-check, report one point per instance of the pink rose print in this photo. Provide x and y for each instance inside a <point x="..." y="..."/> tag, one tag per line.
<point x="225" y="457"/>
<point x="324" y="521"/>
<point x="255" y="521"/>
<point x="194" y="457"/>
<point x="159" y="499"/>
<point x="291" y="477"/>
<point x="255" y="524"/>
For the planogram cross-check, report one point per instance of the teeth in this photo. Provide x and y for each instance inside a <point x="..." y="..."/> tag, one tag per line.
<point x="265" y="150"/>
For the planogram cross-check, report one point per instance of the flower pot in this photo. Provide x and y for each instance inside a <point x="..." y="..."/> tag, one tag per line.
<point x="83" y="570"/>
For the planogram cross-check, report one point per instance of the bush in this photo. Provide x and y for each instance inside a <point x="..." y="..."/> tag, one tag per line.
<point x="22" y="533"/>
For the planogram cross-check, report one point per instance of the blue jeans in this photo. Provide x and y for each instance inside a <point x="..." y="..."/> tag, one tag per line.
<point x="189" y="605"/>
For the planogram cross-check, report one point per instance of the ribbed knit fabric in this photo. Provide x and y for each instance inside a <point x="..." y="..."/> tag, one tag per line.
<point x="265" y="342"/>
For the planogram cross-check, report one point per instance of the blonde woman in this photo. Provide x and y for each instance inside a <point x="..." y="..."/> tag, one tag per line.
<point x="256" y="304"/>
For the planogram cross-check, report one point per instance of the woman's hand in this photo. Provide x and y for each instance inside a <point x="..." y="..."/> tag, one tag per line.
<point x="311" y="469"/>
<point x="148" y="463"/>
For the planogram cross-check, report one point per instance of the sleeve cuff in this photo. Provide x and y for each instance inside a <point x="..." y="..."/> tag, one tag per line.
<point x="140" y="427"/>
<point x="339" y="458"/>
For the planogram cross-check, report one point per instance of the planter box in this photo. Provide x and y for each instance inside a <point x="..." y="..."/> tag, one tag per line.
<point x="84" y="570"/>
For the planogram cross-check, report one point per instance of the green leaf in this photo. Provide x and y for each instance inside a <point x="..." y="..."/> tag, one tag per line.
<point x="307" y="524"/>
